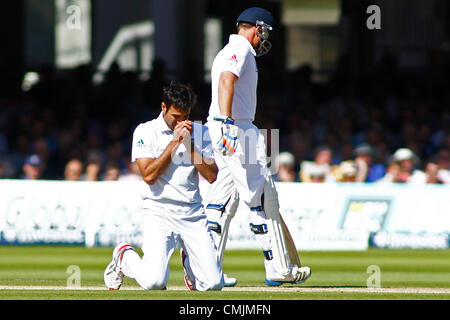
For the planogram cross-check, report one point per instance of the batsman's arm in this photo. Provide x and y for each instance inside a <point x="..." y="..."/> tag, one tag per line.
<point x="226" y="92"/>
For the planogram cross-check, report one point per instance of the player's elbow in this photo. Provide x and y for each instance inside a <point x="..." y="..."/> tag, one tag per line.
<point x="212" y="178"/>
<point x="149" y="179"/>
<point x="227" y="79"/>
<point x="210" y="175"/>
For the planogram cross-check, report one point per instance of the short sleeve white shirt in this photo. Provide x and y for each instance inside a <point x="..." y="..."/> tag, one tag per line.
<point x="238" y="57"/>
<point x="177" y="188"/>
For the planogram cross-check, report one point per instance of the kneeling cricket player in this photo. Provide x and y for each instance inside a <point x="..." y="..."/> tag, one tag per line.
<point x="169" y="158"/>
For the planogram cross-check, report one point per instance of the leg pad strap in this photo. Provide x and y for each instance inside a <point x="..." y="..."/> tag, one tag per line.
<point x="268" y="254"/>
<point x="215" y="226"/>
<point x="258" y="228"/>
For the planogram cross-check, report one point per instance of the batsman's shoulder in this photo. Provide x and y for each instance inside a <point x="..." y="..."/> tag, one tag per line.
<point x="235" y="52"/>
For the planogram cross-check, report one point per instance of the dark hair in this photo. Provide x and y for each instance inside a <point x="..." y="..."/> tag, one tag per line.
<point x="179" y="95"/>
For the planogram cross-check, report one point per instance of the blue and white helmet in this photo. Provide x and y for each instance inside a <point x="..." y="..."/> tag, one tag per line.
<point x="263" y="18"/>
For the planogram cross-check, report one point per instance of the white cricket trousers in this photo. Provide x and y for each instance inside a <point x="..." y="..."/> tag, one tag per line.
<point x="162" y="233"/>
<point x="245" y="170"/>
<point x="245" y="173"/>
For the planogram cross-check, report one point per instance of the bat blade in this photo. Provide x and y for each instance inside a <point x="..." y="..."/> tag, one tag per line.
<point x="290" y="245"/>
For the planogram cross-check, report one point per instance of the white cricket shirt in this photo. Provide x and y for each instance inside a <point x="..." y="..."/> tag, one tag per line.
<point x="238" y="57"/>
<point x="176" y="190"/>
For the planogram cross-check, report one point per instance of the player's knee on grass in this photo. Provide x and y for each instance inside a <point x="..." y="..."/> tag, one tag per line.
<point x="216" y="285"/>
<point x="152" y="284"/>
<point x="156" y="280"/>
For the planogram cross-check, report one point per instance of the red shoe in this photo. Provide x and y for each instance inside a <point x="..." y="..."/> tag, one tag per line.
<point x="187" y="280"/>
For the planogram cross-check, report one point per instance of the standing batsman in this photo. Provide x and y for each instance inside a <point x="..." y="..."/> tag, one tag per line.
<point x="240" y="151"/>
<point x="170" y="157"/>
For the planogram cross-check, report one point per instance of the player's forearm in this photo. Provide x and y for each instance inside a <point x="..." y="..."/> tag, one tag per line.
<point x="156" y="168"/>
<point x="225" y="94"/>
<point x="206" y="167"/>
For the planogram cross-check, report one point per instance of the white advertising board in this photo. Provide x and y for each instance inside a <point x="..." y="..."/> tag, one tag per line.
<point x="62" y="212"/>
<point x="320" y="216"/>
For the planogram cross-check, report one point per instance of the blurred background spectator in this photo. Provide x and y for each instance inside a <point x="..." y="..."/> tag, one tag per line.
<point x="346" y="171"/>
<point x="93" y="166"/>
<point x="73" y="170"/>
<point x="443" y="162"/>
<point x="367" y="170"/>
<point x="316" y="174"/>
<point x="320" y="168"/>
<point x="432" y="172"/>
<point x="392" y="173"/>
<point x="409" y="164"/>
<point x="112" y="172"/>
<point x="92" y="172"/>
<point x="285" y="168"/>
<point x="32" y="167"/>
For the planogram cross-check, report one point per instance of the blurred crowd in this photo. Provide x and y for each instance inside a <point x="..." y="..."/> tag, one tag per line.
<point x="382" y="125"/>
<point x="403" y="167"/>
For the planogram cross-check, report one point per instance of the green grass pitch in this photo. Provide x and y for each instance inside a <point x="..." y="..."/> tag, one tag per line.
<point x="40" y="272"/>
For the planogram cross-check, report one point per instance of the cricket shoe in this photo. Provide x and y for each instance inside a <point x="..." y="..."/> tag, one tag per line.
<point x="300" y="275"/>
<point x="229" y="282"/>
<point x="187" y="279"/>
<point x="113" y="275"/>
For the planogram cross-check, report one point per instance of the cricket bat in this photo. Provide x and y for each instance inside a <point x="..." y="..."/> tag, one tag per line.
<point x="290" y="245"/>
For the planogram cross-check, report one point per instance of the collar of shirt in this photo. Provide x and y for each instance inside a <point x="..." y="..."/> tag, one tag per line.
<point x="237" y="38"/>
<point x="162" y="125"/>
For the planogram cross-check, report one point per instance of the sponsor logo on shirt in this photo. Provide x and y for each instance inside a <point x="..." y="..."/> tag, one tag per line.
<point x="140" y="143"/>
<point x="233" y="58"/>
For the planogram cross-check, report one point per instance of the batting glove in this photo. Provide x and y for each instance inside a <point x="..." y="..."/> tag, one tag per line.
<point x="228" y="142"/>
